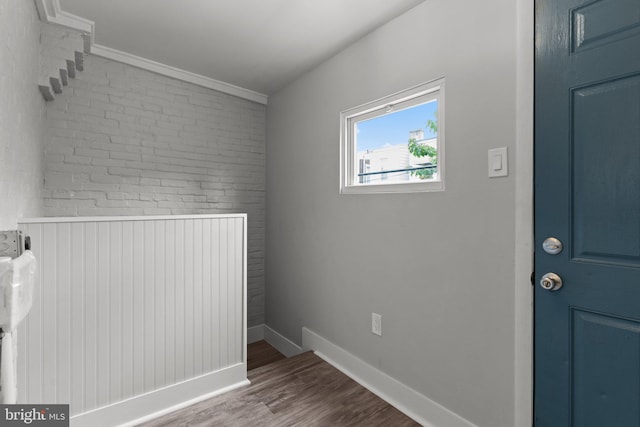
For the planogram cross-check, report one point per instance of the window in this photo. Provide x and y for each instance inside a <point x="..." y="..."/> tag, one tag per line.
<point x="394" y="144"/>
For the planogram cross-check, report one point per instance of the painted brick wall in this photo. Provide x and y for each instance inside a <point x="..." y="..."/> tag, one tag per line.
<point x="58" y="46"/>
<point x="125" y="141"/>
<point x="21" y="113"/>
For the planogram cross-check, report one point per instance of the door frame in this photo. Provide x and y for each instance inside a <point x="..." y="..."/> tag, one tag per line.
<point x="523" y="300"/>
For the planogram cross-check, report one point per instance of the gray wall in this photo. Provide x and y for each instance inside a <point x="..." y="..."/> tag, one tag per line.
<point x="439" y="267"/>
<point x="21" y="113"/>
<point x="125" y="141"/>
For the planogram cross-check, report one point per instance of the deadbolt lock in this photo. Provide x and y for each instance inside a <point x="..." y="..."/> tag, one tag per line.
<point x="552" y="245"/>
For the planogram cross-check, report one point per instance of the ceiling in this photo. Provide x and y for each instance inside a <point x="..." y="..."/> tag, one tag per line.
<point x="259" y="45"/>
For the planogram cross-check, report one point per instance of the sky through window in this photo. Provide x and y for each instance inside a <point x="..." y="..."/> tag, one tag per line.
<point x="394" y="128"/>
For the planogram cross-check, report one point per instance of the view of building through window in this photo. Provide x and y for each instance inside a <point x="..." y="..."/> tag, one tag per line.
<point x="400" y="146"/>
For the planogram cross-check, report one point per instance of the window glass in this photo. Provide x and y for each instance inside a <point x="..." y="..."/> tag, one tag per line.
<point x="395" y="144"/>
<point x="399" y="146"/>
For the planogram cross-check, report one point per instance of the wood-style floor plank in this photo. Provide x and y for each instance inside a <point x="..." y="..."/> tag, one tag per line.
<point x="299" y="391"/>
<point x="261" y="353"/>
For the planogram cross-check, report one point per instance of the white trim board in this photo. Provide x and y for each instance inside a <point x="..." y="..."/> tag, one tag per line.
<point x="281" y="343"/>
<point x="523" y="301"/>
<point x="154" y="404"/>
<point x="58" y="219"/>
<point x="415" y="405"/>
<point x="51" y="12"/>
<point x="255" y="334"/>
<point x="274" y="338"/>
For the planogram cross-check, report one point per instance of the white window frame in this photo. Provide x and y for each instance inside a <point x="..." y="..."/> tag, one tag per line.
<point x="433" y="90"/>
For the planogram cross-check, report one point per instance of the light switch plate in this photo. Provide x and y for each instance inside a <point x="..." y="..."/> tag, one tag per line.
<point x="376" y="323"/>
<point x="498" y="165"/>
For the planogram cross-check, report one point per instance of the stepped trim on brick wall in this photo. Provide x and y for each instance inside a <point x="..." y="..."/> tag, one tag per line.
<point x="61" y="55"/>
<point x="51" y="12"/>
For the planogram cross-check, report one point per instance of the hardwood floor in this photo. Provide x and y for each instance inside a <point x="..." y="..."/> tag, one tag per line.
<point x="261" y="353"/>
<point x="299" y="391"/>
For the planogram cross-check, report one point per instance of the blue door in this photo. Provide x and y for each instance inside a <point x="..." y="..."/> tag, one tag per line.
<point x="587" y="213"/>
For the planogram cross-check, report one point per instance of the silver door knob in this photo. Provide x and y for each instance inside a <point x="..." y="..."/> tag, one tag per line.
<point x="551" y="282"/>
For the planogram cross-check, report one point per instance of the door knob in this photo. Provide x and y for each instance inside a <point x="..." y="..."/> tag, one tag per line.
<point x="551" y="282"/>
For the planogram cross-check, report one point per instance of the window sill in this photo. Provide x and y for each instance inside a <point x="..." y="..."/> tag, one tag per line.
<point x="415" y="187"/>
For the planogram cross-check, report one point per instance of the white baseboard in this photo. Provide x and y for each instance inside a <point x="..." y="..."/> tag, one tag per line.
<point x="255" y="334"/>
<point x="154" y="404"/>
<point x="415" y="405"/>
<point x="281" y="343"/>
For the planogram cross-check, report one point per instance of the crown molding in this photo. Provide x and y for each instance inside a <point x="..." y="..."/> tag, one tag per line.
<point x="177" y="73"/>
<point x="51" y="12"/>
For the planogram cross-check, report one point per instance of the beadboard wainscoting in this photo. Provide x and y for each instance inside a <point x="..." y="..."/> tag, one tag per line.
<point x="134" y="315"/>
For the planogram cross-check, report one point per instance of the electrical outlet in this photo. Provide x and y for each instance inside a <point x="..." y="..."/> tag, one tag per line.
<point x="376" y="323"/>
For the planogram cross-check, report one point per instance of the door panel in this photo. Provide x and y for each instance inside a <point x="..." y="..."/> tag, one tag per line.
<point x="603" y="387"/>
<point x="587" y="192"/>
<point x="604" y="21"/>
<point x="606" y="172"/>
